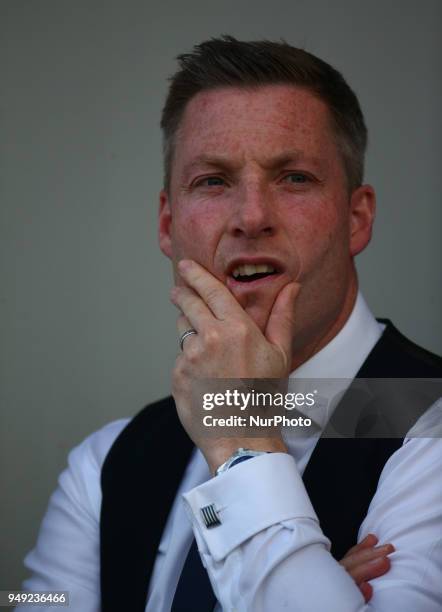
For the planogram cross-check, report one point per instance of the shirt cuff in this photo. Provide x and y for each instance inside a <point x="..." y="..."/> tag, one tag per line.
<point x="248" y="498"/>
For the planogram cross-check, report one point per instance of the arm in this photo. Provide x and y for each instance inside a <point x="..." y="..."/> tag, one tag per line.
<point x="255" y="565"/>
<point x="66" y="556"/>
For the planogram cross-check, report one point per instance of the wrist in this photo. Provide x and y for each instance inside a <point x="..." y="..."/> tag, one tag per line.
<point x="218" y="455"/>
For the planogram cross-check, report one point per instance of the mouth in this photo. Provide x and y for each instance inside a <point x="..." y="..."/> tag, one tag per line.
<point x="250" y="273"/>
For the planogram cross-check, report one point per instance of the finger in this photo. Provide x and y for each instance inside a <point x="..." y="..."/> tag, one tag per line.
<point x="192" y="307"/>
<point x="369" y="541"/>
<point x="370" y="570"/>
<point x="365" y="555"/>
<point x="279" y="330"/>
<point x="216" y="295"/>
<point x="183" y="324"/>
<point x="366" y="590"/>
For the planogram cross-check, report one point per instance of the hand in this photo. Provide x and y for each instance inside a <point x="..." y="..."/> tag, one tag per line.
<point x="366" y="561"/>
<point x="221" y="325"/>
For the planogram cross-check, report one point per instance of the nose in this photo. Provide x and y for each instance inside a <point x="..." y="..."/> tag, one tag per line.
<point x="253" y="215"/>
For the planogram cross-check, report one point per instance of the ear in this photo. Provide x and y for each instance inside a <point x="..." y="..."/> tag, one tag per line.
<point x="165" y="224"/>
<point x="362" y="214"/>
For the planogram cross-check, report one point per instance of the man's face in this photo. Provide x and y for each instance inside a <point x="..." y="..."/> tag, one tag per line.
<point x="258" y="196"/>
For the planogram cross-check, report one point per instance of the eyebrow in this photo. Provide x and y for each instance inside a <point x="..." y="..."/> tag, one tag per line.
<point x="286" y="158"/>
<point x="209" y="161"/>
<point x="224" y="163"/>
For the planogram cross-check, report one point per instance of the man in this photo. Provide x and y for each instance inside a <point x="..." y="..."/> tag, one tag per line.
<point x="262" y="212"/>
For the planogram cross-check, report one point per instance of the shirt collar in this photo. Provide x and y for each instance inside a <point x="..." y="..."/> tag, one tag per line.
<point x="331" y="370"/>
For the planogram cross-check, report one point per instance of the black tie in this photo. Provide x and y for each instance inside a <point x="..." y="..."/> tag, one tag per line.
<point x="194" y="592"/>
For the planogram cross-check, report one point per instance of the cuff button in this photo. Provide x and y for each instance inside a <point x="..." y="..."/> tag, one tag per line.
<point x="210" y="516"/>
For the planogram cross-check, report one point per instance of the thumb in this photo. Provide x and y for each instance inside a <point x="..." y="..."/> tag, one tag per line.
<point x="279" y="328"/>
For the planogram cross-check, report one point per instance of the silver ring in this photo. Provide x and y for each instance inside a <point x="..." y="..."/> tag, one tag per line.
<point x="184" y="335"/>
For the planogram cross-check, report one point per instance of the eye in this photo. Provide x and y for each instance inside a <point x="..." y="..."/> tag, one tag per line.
<point x="210" y="181"/>
<point x="296" y="177"/>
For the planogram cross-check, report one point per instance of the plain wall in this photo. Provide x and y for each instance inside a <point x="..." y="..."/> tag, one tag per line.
<point x="87" y="333"/>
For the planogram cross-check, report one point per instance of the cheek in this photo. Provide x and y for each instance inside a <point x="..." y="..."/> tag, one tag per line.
<point x="195" y="233"/>
<point x="316" y="235"/>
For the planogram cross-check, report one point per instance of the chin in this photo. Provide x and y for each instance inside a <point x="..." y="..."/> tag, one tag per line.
<point x="259" y="316"/>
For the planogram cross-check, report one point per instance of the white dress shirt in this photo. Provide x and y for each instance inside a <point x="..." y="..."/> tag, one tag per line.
<point x="269" y="553"/>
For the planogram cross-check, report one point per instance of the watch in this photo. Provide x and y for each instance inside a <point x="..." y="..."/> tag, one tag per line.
<point x="242" y="454"/>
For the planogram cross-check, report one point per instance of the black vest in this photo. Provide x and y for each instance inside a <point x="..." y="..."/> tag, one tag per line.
<point x="139" y="488"/>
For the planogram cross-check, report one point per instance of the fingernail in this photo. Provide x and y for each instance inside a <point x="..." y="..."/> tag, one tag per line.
<point x="184" y="265"/>
<point x="366" y="538"/>
<point x="386" y="547"/>
<point x="369" y="536"/>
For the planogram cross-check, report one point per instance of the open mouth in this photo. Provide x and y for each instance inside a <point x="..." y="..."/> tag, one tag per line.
<point x="248" y="273"/>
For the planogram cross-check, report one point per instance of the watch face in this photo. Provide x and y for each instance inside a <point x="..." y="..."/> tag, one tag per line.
<point x="242" y="454"/>
<point x="240" y="459"/>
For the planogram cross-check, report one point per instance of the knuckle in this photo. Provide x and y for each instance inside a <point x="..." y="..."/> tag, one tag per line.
<point x="241" y="330"/>
<point x="178" y="370"/>
<point x="192" y="352"/>
<point x="211" y="337"/>
<point x="212" y="295"/>
<point x="180" y="377"/>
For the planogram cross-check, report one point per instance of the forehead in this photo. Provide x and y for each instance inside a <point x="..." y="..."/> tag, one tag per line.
<point x="268" y="118"/>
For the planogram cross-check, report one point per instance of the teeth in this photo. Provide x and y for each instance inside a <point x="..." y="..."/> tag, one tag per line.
<point x="250" y="269"/>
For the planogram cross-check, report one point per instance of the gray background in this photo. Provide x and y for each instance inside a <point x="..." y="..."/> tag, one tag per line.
<point x="87" y="334"/>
